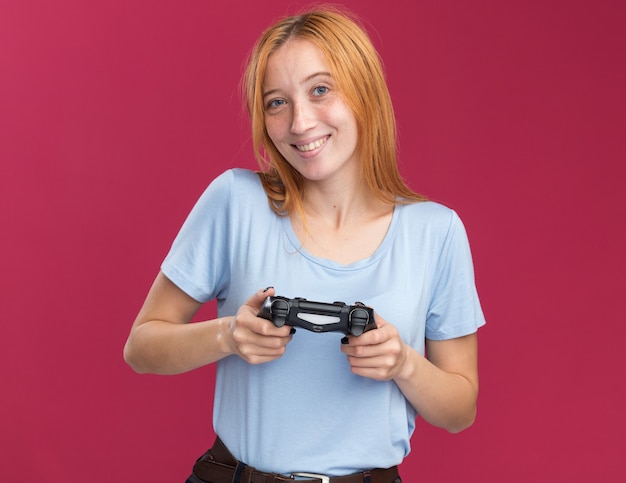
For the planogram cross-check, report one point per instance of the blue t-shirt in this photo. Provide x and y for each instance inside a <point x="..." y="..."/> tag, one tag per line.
<point x="306" y="411"/>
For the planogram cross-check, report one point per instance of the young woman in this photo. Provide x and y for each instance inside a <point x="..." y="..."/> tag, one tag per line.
<point x="328" y="218"/>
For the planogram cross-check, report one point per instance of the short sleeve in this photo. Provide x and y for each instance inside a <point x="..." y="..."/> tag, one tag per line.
<point x="454" y="309"/>
<point x="198" y="261"/>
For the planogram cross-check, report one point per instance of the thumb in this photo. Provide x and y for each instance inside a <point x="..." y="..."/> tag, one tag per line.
<point x="380" y="322"/>
<point x="255" y="302"/>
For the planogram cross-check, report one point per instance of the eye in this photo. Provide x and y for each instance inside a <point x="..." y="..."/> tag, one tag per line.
<point x="275" y="103"/>
<point x="320" y="90"/>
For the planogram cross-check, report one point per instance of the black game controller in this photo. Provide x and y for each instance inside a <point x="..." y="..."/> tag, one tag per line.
<point x="318" y="316"/>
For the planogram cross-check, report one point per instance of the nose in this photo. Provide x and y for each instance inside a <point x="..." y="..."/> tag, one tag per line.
<point x="302" y="118"/>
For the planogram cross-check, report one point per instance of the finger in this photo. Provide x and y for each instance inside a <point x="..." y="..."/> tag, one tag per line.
<point x="380" y="322"/>
<point x="369" y="338"/>
<point x="255" y="302"/>
<point x="376" y="367"/>
<point x="259" y="355"/>
<point x="253" y="337"/>
<point x="248" y="317"/>
<point x="375" y="343"/>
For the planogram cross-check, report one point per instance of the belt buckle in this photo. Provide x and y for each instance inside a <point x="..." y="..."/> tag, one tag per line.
<point x="322" y="478"/>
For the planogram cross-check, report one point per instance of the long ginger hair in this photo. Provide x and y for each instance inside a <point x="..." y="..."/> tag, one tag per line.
<point x="357" y="70"/>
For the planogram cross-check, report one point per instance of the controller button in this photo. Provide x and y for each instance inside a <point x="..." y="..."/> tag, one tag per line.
<point x="279" y="311"/>
<point x="358" y="320"/>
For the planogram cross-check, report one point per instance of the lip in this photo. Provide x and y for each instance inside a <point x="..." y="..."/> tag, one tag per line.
<point x="310" y="147"/>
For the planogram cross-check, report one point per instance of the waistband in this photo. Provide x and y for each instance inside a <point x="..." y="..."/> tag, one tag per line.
<point x="218" y="465"/>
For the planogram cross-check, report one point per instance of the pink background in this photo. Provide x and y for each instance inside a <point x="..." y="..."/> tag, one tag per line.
<point x="114" y="116"/>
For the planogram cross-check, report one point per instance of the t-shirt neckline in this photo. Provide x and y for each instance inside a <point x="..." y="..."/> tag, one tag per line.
<point x="295" y="243"/>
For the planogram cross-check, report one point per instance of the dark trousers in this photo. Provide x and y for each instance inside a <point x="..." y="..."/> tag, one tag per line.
<point x="194" y="479"/>
<point x="218" y="465"/>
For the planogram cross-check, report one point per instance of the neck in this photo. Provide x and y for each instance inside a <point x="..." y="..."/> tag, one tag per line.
<point x="340" y="205"/>
<point x="343" y="225"/>
<point x="332" y="203"/>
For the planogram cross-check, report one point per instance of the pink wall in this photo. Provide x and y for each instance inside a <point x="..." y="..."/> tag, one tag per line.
<point x="114" y="115"/>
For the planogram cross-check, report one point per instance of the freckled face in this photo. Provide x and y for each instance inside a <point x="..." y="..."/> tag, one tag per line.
<point x="305" y="115"/>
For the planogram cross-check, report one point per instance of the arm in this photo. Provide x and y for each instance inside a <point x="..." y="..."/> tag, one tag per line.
<point x="443" y="388"/>
<point x="162" y="341"/>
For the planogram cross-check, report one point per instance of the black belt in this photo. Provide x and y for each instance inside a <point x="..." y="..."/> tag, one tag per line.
<point x="218" y="465"/>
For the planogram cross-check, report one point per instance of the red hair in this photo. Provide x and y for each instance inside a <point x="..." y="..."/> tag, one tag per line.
<point x="357" y="69"/>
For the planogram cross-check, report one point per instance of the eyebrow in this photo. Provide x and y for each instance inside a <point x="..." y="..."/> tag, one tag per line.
<point x="308" y="78"/>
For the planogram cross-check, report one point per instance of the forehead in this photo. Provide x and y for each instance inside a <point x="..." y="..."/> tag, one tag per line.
<point x="294" y="62"/>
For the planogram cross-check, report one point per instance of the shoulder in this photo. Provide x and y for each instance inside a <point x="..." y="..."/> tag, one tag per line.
<point x="237" y="178"/>
<point x="433" y="224"/>
<point x="429" y="214"/>
<point x="228" y="194"/>
<point x="232" y="185"/>
<point x="242" y="175"/>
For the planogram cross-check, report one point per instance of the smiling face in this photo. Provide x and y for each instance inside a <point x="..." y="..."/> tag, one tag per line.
<point x="305" y="115"/>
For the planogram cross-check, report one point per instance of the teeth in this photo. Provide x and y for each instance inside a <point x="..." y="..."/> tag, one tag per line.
<point x="311" y="146"/>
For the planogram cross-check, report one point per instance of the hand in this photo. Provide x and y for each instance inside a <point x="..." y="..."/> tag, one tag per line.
<point x="378" y="354"/>
<point x="254" y="339"/>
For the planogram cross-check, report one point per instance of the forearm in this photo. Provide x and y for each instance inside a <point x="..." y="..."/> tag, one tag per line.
<point x="159" y="347"/>
<point x="443" y="399"/>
